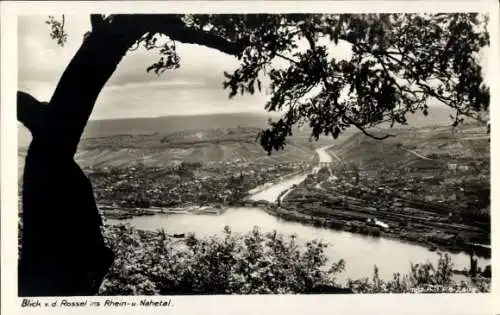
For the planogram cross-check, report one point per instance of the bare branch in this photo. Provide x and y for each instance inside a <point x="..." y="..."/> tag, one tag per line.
<point x="372" y="135"/>
<point x="310" y="39"/>
<point x="363" y="130"/>
<point x="425" y="87"/>
<point x="287" y="58"/>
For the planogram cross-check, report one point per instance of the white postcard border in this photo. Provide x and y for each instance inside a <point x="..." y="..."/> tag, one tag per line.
<point x="289" y="304"/>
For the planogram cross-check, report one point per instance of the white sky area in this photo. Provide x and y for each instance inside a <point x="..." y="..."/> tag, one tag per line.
<point x="194" y="88"/>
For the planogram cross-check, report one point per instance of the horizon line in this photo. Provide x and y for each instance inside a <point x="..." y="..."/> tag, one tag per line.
<point x="253" y="113"/>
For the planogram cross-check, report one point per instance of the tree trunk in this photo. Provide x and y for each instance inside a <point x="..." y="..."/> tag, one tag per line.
<point x="63" y="251"/>
<point x="82" y="81"/>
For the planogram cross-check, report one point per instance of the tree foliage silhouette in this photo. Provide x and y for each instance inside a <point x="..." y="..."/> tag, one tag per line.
<point x="398" y="63"/>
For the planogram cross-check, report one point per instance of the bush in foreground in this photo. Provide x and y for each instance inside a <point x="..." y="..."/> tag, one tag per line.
<point x="149" y="263"/>
<point x="422" y="278"/>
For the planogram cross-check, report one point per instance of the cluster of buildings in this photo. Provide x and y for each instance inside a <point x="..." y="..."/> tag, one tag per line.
<point x="434" y="196"/>
<point x="184" y="184"/>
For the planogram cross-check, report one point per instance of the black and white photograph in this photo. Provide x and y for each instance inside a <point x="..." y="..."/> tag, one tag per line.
<point x="174" y="154"/>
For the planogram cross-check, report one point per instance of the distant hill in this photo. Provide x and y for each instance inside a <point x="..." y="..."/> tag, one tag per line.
<point x="210" y="145"/>
<point x="438" y="116"/>
<point x="122" y="141"/>
<point x="169" y="124"/>
<point x="135" y="126"/>
<point x="162" y="125"/>
<point x="431" y="145"/>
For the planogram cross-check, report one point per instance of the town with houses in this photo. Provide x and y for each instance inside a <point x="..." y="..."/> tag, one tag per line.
<point x="424" y="199"/>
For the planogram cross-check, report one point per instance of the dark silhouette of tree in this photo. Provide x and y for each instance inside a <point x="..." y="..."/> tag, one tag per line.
<point x="398" y="63"/>
<point x="63" y="252"/>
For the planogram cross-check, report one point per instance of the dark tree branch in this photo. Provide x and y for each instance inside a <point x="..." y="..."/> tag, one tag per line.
<point x="30" y="113"/>
<point x="173" y="27"/>
<point x="426" y="89"/>
<point x="310" y="40"/>
<point x="96" y="21"/>
<point x="98" y="57"/>
<point x="287" y="58"/>
<point x="345" y="118"/>
<point x="80" y="84"/>
<point x="191" y="36"/>
<point x="363" y="130"/>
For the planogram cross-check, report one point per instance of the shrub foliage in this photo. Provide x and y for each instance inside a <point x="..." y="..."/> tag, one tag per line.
<point x="151" y="263"/>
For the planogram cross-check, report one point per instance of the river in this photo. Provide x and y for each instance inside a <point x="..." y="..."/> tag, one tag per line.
<point x="360" y="252"/>
<point x="323" y="155"/>
<point x="272" y="193"/>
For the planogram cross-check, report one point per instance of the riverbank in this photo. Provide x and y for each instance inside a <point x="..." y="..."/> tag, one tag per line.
<point x="348" y="246"/>
<point x="340" y="220"/>
<point x="345" y="224"/>
<point x="117" y="213"/>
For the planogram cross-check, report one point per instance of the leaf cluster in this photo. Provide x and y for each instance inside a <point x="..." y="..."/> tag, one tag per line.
<point x="398" y="64"/>
<point x="57" y="31"/>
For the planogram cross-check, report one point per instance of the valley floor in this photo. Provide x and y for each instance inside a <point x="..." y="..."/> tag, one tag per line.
<point x="440" y="207"/>
<point x="377" y="209"/>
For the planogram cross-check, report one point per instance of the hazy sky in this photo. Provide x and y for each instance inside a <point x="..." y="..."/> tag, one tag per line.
<point x="195" y="88"/>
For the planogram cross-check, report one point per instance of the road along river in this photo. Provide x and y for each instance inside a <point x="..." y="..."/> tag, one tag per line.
<point x="360" y="252"/>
